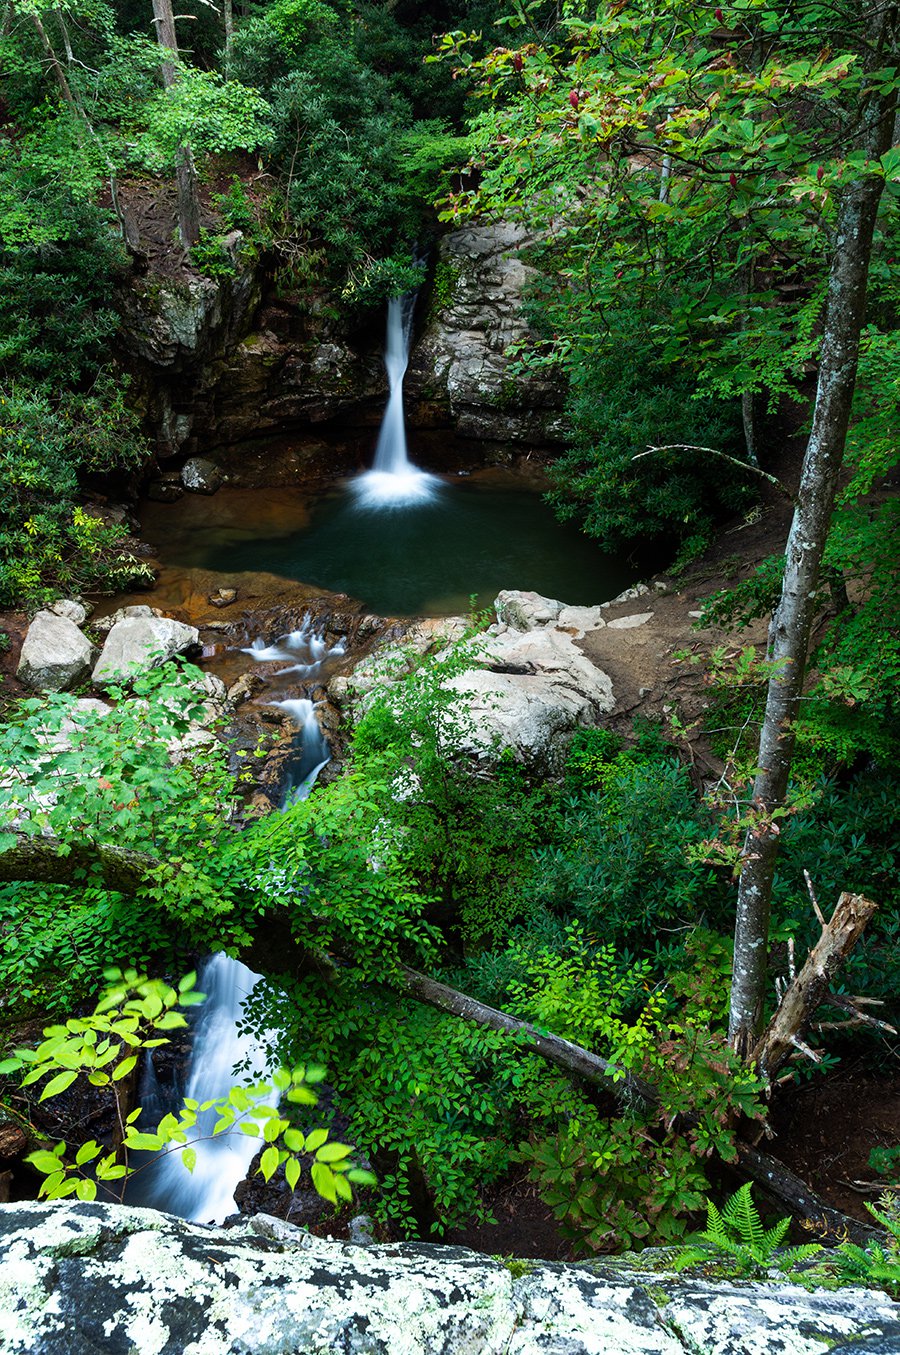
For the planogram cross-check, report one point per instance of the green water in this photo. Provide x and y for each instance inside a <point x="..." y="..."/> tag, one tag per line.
<point x="425" y="559"/>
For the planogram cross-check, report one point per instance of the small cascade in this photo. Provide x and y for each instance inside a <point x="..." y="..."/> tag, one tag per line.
<point x="393" y="481"/>
<point x="304" y="650"/>
<point x="314" y="752"/>
<point x="207" y="1194"/>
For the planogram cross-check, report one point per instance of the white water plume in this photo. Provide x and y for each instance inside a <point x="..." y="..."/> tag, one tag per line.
<point x="206" y="1195"/>
<point x="222" y="1161"/>
<point x="393" y="481"/>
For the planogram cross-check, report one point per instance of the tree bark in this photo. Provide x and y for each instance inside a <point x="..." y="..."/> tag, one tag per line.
<point x="792" y="622"/>
<point x="807" y="990"/>
<point x="51" y="861"/>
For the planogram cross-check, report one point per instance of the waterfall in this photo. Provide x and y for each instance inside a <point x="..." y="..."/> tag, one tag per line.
<point x="207" y="1194"/>
<point x="393" y="481"/>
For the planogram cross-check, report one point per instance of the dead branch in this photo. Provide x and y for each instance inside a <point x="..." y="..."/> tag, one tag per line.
<point x="810" y="987"/>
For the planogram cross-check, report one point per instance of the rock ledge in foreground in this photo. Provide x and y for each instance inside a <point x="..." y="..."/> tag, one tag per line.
<point x="80" y="1279"/>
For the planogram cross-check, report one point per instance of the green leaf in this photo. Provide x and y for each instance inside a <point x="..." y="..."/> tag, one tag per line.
<point x="333" y="1152"/>
<point x="268" y="1163"/>
<point x="124" y="1068"/>
<point x="58" y="1084"/>
<point x="323" y="1181"/>
<point x="292" y="1172"/>
<point x="43" y="1161"/>
<point x="315" y="1138"/>
<point x="189" y="1158"/>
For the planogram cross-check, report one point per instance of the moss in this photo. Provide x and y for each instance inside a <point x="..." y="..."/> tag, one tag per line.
<point x="446" y="276"/>
<point x="516" y="1266"/>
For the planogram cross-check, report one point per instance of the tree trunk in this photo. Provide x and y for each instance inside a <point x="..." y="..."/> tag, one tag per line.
<point x="228" y="20"/>
<point x="791" y="625"/>
<point x="572" y="1058"/>
<point x="185" y="174"/>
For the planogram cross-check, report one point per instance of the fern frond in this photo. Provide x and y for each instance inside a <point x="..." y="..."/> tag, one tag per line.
<point x="741" y="1214"/>
<point x="774" y="1236"/>
<point x="716" y="1230"/>
<point x="794" y="1256"/>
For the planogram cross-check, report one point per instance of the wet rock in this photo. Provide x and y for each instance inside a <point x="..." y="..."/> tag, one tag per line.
<point x="80" y="1278"/>
<point x="137" y="643"/>
<point x="223" y="597"/>
<point x="201" y="476"/>
<point x="247" y="686"/>
<point x="55" y="655"/>
<point x="165" y="491"/>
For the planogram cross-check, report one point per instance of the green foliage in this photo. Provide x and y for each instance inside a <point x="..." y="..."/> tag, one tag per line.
<point x="464" y="830"/>
<point x="105" y="1048"/>
<point x="86" y="776"/>
<point x="624" y="398"/>
<point x="621" y="858"/>
<point x="878" y="1264"/>
<point x="736" y="1231"/>
<point x="48" y="542"/>
<point x="886" y="1162"/>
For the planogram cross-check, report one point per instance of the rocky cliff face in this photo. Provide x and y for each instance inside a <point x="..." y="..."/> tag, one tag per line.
<point x="272" y="390"/>
<point x="462" y="364"/>
<point x="78" y="1279"/>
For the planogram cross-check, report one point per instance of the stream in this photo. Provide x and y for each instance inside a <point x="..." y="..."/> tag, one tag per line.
<point x="403" y="542"/>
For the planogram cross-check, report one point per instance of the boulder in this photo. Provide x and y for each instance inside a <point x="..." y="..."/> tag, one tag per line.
<point x="201" y="476"/>
<point x="139" y="642"/>
<point x="71" y="609"/>
<point x="524" y="610"/>
<point x="80" y="1278"/>
<point x="55" y="655"/>
<point x="104" y="624"/>
<point x="529" y="693"/>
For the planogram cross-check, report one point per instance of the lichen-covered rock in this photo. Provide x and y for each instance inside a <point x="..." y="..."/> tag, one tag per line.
<point x="463" y="360"/>
<point x="55" y="655"/>
<point x="199" y="475"/>
<point x="140" y="642"/>
<point x="81" y="1279"/>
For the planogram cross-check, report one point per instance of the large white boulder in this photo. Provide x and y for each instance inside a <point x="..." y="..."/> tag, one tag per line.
<point x="78" y="1279"/>
<point x="528" y="691"/>
<point x="55" y="655"/>
<point x="140" y="642"/>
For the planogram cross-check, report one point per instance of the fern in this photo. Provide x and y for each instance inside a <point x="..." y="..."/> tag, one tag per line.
<point x="737" y="1231"/>
<point x="877" y="1266"/>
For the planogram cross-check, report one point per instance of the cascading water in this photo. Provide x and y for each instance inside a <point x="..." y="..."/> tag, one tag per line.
<point x="222" y="1161"/>
<point x="393" y="481"/>
<point x="206" y="1195"/>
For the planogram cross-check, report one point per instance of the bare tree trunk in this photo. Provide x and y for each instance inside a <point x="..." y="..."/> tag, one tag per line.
<point x="54" y="62"/>
<point x="185" y="174"/>
<point x="228" y="20"/>
<point x="791" y="625"/>
<point x="566" y="1055"/>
